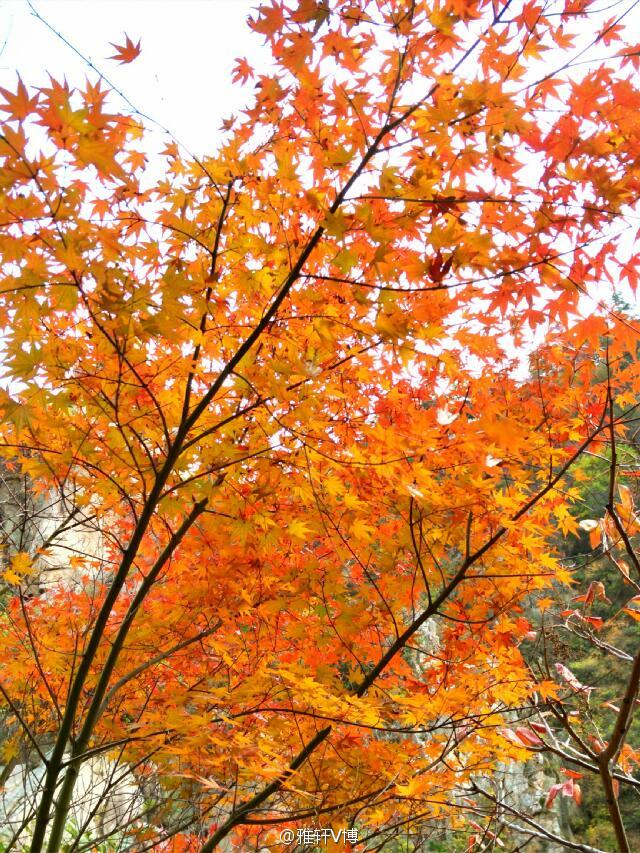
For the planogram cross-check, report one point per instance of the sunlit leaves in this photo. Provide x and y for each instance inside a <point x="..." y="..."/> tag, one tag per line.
<point x="354" y="330"/>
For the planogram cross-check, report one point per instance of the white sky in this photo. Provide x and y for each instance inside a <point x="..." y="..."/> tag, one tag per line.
<point x="182" y="78"/>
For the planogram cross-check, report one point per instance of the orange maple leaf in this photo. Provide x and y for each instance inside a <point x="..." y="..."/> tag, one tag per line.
<point x="242" y="71"/>
<point x="18" y="105"/>
<point x="126" y="52"/>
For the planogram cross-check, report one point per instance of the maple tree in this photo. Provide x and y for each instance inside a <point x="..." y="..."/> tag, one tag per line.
<point x="281" y="386"/>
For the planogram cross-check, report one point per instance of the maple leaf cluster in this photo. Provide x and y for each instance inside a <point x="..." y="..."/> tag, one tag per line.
<point x="282" y="387"/>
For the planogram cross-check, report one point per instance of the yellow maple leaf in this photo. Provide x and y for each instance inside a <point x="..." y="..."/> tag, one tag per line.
<point x="299" y="530"/>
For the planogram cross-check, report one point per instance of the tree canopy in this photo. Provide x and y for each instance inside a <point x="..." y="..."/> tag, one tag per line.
<point x="312" y="398"/>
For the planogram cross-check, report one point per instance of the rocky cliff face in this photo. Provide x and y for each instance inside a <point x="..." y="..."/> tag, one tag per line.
<point x="522" y="789"/>
<point x="50" y="528"/>
<point x="22" y="519"/>
<point x="107" y="799"/>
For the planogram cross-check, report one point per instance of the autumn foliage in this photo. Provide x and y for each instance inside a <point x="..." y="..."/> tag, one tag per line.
<point x="314" y="394"/>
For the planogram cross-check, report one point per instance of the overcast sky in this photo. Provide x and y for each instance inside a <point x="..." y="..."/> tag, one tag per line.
<point x="181" y="78"/>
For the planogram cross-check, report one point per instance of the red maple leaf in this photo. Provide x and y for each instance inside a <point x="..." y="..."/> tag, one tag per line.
<point x="126" y="52"/>
<point x="242" y="71"/>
